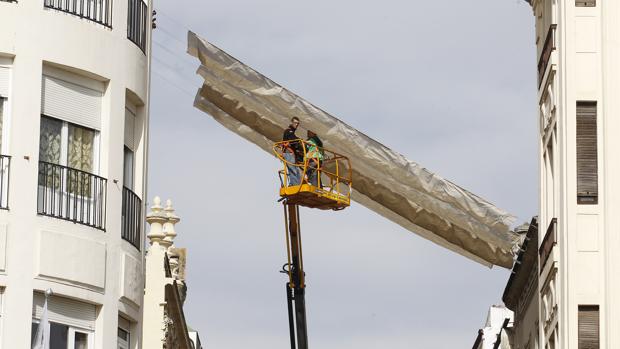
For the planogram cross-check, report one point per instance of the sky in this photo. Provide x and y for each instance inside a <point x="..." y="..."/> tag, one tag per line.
<point x="450" y="84"/>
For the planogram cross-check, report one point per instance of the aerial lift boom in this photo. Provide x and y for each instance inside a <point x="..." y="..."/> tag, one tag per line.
<point x="332" y="190"/>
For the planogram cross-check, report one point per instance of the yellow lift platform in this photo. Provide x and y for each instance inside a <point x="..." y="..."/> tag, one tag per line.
<point x="331" y="187"/>
<point x="322" y="180"/>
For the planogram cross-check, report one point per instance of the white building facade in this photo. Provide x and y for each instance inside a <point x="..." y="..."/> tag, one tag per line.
<point x="74" y="90"/>
<point x="579" y="82"/>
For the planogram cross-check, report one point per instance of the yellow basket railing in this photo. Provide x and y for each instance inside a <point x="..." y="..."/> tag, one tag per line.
<point x="333" y="172"/>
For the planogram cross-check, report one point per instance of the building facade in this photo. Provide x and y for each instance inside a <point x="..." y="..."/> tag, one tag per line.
<point x="74" y="91"/>
<point x="578" y="83"/>
<point x="521" y="292"/>
<point x="497" y="330"/>
<point x="164" y="325"/>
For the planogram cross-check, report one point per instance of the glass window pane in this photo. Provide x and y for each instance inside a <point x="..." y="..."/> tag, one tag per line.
<point x="81" y="148"/>
<point x="81" y="340"/>
<point x="128" y="168"/>
<point x="50" y="140"/>
<point x="123" y="339"/>
<point x="58" y="336"/>
<point x="33" y="332"/>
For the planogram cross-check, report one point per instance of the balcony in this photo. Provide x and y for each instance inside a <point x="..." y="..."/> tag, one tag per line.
<point x="548" y="242"/>
<point x="98" y="11"/>
<point x="132" y="218"/>
<point x="5" y="167"/>
<point x="545" y="54"/>
<point x="71" y="194"/>
<point x="137" y="15"/>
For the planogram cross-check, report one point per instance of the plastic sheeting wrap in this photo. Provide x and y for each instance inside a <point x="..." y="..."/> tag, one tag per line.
<point x="259" y="110"/>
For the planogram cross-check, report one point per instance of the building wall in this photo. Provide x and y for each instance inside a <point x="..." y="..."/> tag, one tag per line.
<point x="526" y="334"/>
<point x="39" y="252"/>
<point x="581" y="267"/>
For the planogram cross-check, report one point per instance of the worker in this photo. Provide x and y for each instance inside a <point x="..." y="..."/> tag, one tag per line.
<point x="314" y="156"/>
<point x="293" y="152"/>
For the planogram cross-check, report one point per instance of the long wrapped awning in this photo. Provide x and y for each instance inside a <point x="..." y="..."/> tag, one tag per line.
<point x="259" y="110"/>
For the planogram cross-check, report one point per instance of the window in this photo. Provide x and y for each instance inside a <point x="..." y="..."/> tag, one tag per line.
<point x="71" y="323"/>
<point x="130" y="146"/>
<point x="66" y="144"/>
<point x="588" y="327"/>
<point x="587" y="154"/>
<point x="68" y="188"/>
<point x="124" y="339"/>
<point x="2" y="102"/>
<point x="128" y="161"/>
<point x="4" y="94"/>
<point x="64" y="336"/>
<point x="63" y="143"/>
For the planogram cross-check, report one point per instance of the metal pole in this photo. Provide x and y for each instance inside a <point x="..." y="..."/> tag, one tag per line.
<point x="298" y="277"/>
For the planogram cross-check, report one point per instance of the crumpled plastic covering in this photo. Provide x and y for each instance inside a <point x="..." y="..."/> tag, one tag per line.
<point x="259" y="110"/>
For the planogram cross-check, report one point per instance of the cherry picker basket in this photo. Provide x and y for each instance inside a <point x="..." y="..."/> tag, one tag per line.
<point x="324" y="184"/>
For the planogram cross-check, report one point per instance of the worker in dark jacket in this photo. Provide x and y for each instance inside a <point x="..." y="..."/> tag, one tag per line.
<point x="293" y="153"/>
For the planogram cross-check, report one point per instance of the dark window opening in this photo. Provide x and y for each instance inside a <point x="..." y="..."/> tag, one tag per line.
<point x="587" y="154"/>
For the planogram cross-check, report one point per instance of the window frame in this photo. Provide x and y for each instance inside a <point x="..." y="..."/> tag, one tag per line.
<point x="584" y="111"/>
<point x="71" y="330"/>
<point x="123" y="343"/>
<point x="64" y="144"/>
<point x="132" y="171"/>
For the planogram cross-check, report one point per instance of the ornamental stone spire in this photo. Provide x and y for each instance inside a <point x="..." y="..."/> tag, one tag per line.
<point x="156" y="218"/>
<point x="169" y="226"/>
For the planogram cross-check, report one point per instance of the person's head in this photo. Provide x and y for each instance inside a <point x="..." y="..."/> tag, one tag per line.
<point x="311" y="134"/>
<point x="294" y="122"/>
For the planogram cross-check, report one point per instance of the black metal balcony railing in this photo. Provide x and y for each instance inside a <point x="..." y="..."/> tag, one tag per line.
<point x="71" y="194"/>
<point x="5" y="169"/>
<point x="98" y="11"/>
<point x="547" y="244"/>
<point x="137" y="15"/>
<point x="545" y="54"/>
<point x="132" y="217"/>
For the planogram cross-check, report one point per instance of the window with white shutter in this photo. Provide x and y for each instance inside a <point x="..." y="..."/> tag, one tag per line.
<point x="71" y="102"/>
<point x="72" y="323"/>
<point x="4" y="97"/>
<point x="66" y="311"/>
<point x="4" y="82"/>
<point x="587" y="153"/>
<point x="588" y="327"/>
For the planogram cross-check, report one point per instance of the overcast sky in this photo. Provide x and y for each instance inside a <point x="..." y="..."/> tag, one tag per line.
<point x="448" y="83"/>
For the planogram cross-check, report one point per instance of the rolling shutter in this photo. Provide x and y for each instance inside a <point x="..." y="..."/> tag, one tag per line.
<point x="66" y="311"/>
<point x="588" y="323"/>
<point x="71" y="102"/>
<point x="130" y="129"/>
<point x="587" y="154"/>
<point x="4" y="82"/>
<point x="123" y="323"/>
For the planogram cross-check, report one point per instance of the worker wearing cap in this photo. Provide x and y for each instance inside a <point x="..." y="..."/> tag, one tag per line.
<point x="293" y="152"/>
